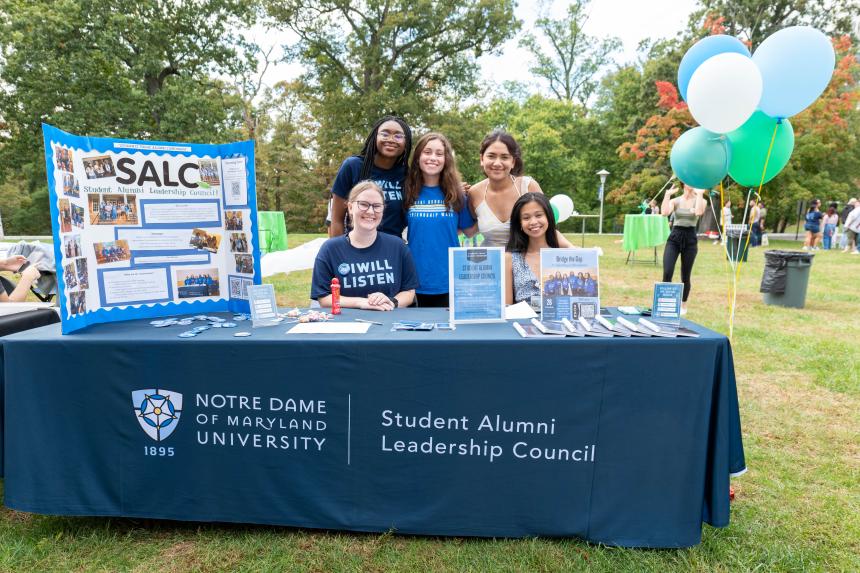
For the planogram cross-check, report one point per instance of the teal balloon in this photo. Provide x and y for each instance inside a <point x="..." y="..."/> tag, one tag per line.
<point x="750" y="143"/>
<point x="701" y="158"/>
<point x="554" y="212"/>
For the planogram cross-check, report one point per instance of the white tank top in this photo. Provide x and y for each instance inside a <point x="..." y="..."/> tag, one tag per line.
<point x="496" y="232"/>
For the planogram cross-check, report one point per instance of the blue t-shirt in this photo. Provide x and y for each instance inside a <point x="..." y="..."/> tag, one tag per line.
<point x="432" y="229"/>
<point x="813" y="221"/>
<point x="391" y="182"/>
<point x="385" y="266"/>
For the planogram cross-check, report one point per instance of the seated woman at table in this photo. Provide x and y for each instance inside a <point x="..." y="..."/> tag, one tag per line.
<point x="492" y="199"/>
<point x="28" y="277"/>
<point x="532" y="229"/>
<point x="375" y="269"/>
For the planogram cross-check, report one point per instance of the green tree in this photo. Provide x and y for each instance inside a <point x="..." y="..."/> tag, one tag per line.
<point x="129" y="68"/>
<point x="573" y="63"/>
<point x="754" y="20"/>
<point x="368" y="58"/>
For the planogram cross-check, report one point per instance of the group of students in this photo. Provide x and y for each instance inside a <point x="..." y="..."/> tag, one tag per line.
<point x="821" y="226"/>
<point x="380" y="192"/>
<point x="96" y="168"/>
<point x="581" y="284"/>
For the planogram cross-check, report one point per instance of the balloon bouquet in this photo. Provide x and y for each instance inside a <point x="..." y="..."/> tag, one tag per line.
<point x="742" y="103"/>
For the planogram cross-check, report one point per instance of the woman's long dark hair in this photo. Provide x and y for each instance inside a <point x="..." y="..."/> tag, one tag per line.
<point x="518" y="242"/>
<point x="369" y="151"/>
<point x="449" y="178"/>
<point x="511" y="144"/>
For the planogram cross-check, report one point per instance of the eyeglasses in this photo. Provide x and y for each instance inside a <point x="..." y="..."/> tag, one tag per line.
<point x="392" y="135"/>
<point x="365" y="206"/>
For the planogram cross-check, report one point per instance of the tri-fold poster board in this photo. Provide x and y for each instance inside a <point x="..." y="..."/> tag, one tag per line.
<point x="145" y="229"/>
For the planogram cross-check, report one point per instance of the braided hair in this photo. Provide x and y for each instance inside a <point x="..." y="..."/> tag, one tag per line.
<point x="369" y="151"/>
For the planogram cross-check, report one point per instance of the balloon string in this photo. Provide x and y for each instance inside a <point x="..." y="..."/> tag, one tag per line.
<point x="740" y="261"/>
<point x="672" y="178"/>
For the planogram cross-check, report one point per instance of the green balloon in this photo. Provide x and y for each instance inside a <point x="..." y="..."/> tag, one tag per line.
<point x="554" y="212"/>
<point x="750" y="143"/>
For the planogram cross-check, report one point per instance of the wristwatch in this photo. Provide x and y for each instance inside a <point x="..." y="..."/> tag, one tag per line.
<point x="395" y="302"/>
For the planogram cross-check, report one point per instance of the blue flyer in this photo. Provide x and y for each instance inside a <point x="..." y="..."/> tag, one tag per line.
<point x="666" y="306"/>
<point x="476" y="284"/>
<point x="145" y="228"/>
<point x="569" y="284"/>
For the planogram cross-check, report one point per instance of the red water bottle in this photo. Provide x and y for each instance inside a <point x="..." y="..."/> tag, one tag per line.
<point x="335" y="296"/>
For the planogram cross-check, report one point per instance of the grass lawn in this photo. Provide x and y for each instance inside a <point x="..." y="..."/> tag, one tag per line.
<point x="796" y="509"/>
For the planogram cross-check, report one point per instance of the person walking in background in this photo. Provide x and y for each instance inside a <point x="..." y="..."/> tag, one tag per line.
<point x="843" y="217"/>
<point x="831" y="219"/>
<point x="813" y="226"/>
<point x="755" y="230"/>
<point x="852" y="228"/>
<point x="727" y="213"/>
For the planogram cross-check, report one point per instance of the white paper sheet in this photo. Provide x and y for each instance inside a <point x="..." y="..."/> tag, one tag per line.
<point x="8" y="308"/>
<point x="519" y="311"/>
<point x="330" y="328"/>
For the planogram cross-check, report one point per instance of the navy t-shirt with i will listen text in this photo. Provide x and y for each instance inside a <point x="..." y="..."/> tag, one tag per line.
<point x="385" y="266"/>
<point x="389" y="180"/>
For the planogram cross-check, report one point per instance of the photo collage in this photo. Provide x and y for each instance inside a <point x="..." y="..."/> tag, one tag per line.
<point x="145" y="245"/>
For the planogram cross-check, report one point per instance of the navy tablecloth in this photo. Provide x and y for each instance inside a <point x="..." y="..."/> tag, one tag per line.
<point x="473" y="432"/>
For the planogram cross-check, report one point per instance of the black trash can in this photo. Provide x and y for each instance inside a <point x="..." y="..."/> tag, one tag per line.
<point x="737" y="245"/>
<point x="786" y="277"/>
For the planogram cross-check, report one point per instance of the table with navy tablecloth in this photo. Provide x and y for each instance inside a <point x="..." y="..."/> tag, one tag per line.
<point x="471" y="432"/>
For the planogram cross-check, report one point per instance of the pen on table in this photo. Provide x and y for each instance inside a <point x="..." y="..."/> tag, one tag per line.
<point x="367" y="321"/>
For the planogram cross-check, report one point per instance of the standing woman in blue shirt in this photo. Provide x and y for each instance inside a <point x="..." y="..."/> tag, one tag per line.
<point x="383" y="160"/>
<point x="436" y="208"/>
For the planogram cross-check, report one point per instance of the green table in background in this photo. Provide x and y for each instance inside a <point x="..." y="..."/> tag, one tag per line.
<point x="273" y="231"/>
<point x="644" y="231"/>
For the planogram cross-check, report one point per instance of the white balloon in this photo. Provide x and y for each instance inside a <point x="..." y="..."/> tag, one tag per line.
<point x="724" y="92"/>
<point x="564" y="204"/>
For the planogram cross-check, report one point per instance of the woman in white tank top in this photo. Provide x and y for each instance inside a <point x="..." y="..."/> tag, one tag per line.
<point x="493" y="198"/>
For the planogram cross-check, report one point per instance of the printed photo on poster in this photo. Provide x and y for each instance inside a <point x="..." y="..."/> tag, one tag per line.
<point x="201" y="239"/>
<point x="196" y="283"/>
<point x="112" y="252"/>
<point x="98" y="167"/>
<point x="233" y="220"/>
<point x="63" y="158"/>
<point x="78" y="302"/>
<point x="72" y="246"/>
<point x="569" y="284"/>
<point x="65" y="209"/>
<point x="70" y="275"/>
<point x="71" y="188"/>
<point x="83" y="275"/>
<point x="238" y="243"/>
<point x="112" y="209"/>
<point x="244" y="264"/>
<point x="209" y="172"/>
<point x="77" y="216"/>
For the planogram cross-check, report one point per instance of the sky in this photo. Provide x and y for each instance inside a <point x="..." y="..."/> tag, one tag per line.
<point x="630" y="20"/>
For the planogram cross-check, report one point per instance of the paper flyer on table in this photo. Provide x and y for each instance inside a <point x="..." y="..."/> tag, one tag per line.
<point x="145" y="228"/>
<point x="569" y="284"/>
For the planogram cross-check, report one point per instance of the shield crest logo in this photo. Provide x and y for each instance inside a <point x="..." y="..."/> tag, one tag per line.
<point x="157" y="411"/>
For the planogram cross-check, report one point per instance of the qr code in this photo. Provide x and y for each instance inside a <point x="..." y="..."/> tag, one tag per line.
<point x="239" y="287"/>
<point x="235" y="187"/>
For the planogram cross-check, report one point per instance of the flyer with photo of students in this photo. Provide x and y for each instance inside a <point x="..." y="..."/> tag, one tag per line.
<point x="569" y="284"/>
<point x="145" y="229"/>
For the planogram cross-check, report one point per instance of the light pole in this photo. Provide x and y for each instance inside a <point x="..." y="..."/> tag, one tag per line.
<point x="602" y="173"/>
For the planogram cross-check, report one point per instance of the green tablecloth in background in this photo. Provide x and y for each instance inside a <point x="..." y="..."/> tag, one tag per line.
<point x="273" y="231"/>
<point x="644" y="231"/>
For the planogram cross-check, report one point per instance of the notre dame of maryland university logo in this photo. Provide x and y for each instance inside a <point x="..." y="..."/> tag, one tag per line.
<point x="157" y="411"/>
